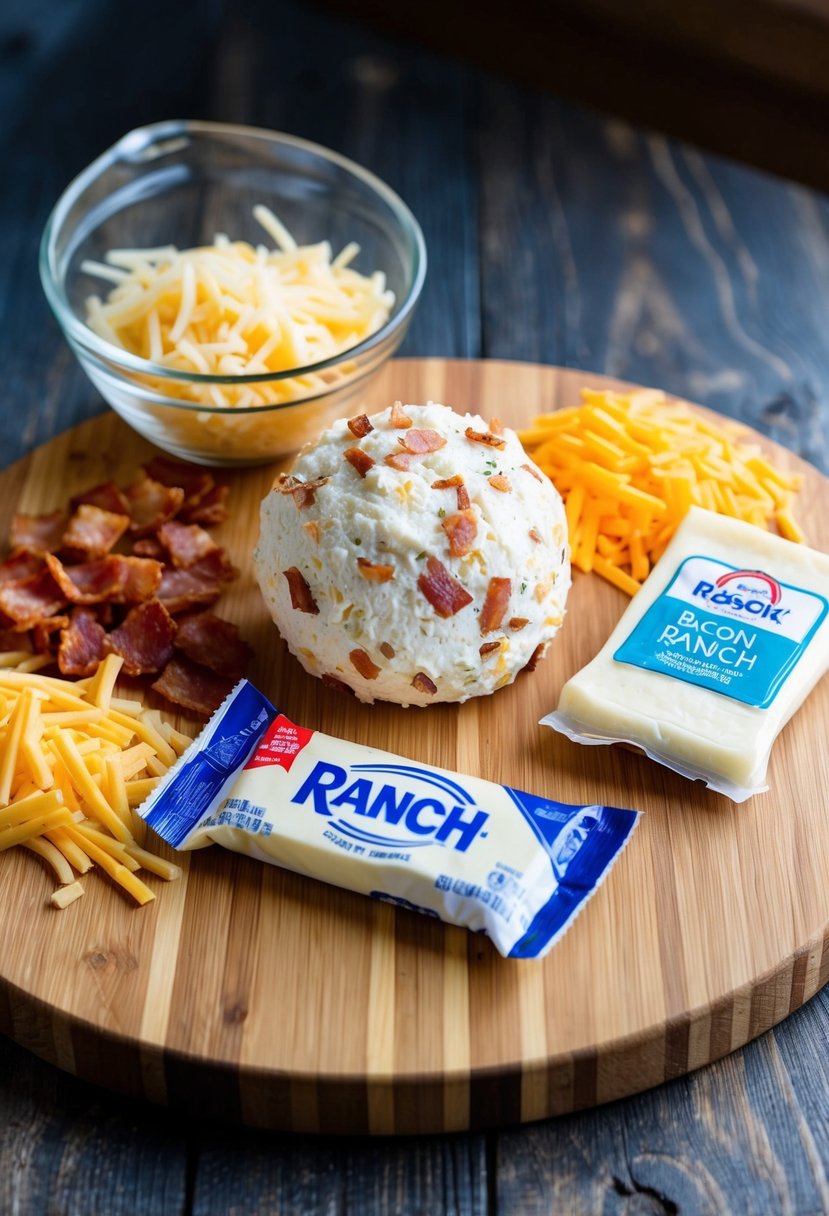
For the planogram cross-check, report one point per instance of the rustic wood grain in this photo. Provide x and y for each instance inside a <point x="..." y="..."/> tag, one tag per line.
<point x="226" y="995"/>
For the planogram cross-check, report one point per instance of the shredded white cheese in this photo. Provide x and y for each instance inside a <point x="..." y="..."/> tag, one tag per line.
<point x="229" y="309"/>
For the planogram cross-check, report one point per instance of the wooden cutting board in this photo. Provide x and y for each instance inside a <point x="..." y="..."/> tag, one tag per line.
<point x="250" y="993"/>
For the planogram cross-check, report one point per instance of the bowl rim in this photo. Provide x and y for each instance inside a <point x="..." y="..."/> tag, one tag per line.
<point x="140" y="141"/>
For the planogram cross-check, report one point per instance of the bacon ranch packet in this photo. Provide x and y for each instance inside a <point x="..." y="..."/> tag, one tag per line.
<point x="514" y="866"/>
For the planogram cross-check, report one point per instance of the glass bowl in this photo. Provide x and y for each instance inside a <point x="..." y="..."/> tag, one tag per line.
<point x="179" y="183"/>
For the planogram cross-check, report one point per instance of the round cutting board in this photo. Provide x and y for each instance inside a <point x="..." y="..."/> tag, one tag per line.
<point x="250" y="993"/>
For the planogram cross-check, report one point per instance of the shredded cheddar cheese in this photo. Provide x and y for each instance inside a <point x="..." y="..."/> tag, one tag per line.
<point x="74" y="762"/>
<point x="629" y="466"/>
<point x="230" y="309"/>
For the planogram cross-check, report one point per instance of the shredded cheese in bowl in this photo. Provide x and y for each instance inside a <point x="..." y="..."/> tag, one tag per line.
<point x="231" y="309"/>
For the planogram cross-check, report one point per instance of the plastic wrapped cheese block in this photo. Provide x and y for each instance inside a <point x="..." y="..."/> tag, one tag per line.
<point x="487" y="857"/>
<point x="721" y="646"/>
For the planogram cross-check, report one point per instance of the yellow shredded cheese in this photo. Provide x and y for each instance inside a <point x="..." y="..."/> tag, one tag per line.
<point x="72" y="768"/>
<point x="232" y="309"/>
<point x="629" y="466"/>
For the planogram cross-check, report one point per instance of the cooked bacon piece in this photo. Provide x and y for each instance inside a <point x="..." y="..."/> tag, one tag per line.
<point x="398" y="416"/>
<point x="20" y="564"/>
<point x="499" y="482"/>
<point x="359" y="426"/>
<point x="444" y="593"/>
<point x="535" y="657"/>
<point x="90" y="582"/>
<point x="518" y="622"/>
<point x="194" y="480"/>
<point x="38" y="533"/>
<point x="463" y="499"/>
<point x="448" y="483"/>
<point x="496" y="427"/>
<point x="312" y="527"/>
<point x="359" y="460"/>
<point x="531" y="469"/>
<point x="41" y="632"/>
<point x="387" y="650"/>
<point x="420" y="440"/>
<point x="107" y="496"/>
<point x="461" y="529"/>
<point x="149" y="546"/>
<point x="304" y="492"/>
<point x="363" y="663"/>
<point x="423" y="684"/>
<point x="192" y="686"/>
<point x="211" y="509"/>
<point x="402" y="461"/>
<point x="181" y="590"/>
<point x="151" y="503"/>
<point x="301" y="597"/>
<point x="535" y="535"/>
<point x="82" y="644"/>
<point x="142" y="580"/>
<point x="92" y="531"/>
<point x="214" y="642"/>
<point x="16" y="639"/>
<point x="375" y="572"/>
<point x="488" y="648"/>
<point x="485" y="437"/>
<point x="216" y="564"/>
<point x="495" y="604"/>
<point x="186" y="543"/>
<point x="144" y="639"/>
<point x="337" y="684"/>
<point x="29" y="600"/>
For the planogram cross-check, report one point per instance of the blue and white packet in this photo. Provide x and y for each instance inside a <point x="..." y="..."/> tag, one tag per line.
<point x="492" y="859"/>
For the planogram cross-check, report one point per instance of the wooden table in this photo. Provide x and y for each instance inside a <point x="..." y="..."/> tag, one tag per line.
<point x="557" y="236"/>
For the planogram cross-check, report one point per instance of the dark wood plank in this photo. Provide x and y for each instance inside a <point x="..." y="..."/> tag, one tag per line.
<point x="70" y="1148"/>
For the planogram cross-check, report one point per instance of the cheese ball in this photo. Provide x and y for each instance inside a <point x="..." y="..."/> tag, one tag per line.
<point x="417" y="556"/>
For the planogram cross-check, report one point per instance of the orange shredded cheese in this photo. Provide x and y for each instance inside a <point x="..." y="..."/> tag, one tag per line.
<point x="629" y="465"/>
<point x="72" y="768"/>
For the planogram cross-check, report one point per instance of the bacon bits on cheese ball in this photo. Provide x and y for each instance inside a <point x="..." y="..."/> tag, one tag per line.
<point x="416" y="556"/>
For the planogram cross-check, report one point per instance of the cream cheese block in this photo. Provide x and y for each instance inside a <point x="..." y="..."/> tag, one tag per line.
<point x="726" y="639"/>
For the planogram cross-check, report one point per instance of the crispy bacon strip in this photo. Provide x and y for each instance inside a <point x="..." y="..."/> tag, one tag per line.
<point x="499" y="482"/>
<point x="142" y="580"/>
<point x="211" y="509"/>
<point x="144" y="639"/>
<point x="463" y="499"/>
<point x="359" y="426"/>
<point x="485" y="437"/>
<point x="90" y="582"/>
<point x="93" y="531"/>
<point x="518" y="622"/>
<point x="149" y="546"/>
<point x="423" y="684"/>
<point x="192" y="686"/>
<point x="106" y="495"/>
<point x="82" y="644"/>
<point x="186" y="543"/>
<point x="31" y="599"/>
<point x="535" y="657"/>
<point x="19" y="565"/>
<point x="374" y="572"/>
<point x="181" y="590"/>
<point x="448" y="483"/>
<point x="398" y="416"/>
<point x="495" y="604"/>
<point x="194" y="480"/>
<point x="359" y="460"/>
<point x="420" y="440"/>
<point x="387" y="650"/>
<point x="151" y="503"/>
<point x="402" y="461"/>
<point x="461" y="530"/>
<point x="39" y="533"/>
<point x="301" y="598"/>
<point x="444" y="593"/>
<point x="304" y="492"/>
<point x="363" y="663"/>
<point x="214" y="642"/>
<point x="489" y="648"/>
